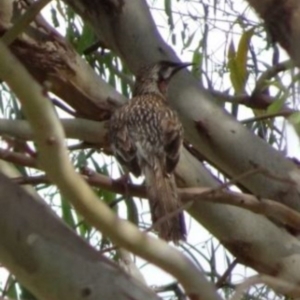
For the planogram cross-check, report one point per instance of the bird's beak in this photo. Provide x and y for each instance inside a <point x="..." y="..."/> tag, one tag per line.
<point x="180" y="66"/>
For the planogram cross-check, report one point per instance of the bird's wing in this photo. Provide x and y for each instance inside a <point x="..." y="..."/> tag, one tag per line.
<point x="173" y="135"/>
<point x="123" y="147"/>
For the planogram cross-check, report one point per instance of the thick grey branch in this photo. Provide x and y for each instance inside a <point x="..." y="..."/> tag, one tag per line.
<point x="81" y="129"/>
<point x="39" y="249"/>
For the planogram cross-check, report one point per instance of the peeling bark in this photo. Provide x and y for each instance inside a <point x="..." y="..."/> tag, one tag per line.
<point x="50" y="58"/>
<point x="282" y="20"/>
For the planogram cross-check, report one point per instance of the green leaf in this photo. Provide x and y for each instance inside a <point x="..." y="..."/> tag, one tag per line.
<point x="107" y="196"/>
<point x="86" y="39"/>
<point x="67" y="215"/>
<point x="233" y="73"/>
<point x="242" y="53"/>
<point x="189" y="40"/>
<point x="294" y="119"/>
<point x="237" y="62"/>
<point x="168" y="10"/>
<point x="276" y="106"/>
<point x="81" y="159"/>
<point x="197" y="60"/>
<point x="11" y="288"/>
<point x="26" y="294"/>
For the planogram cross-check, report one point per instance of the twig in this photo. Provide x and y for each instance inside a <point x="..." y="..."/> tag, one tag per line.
<point x="238" y="178"/>
<point x="277" y="178"/>
<point x="34" y="180"/>
<point x="241" y="288"/>
<point x="109" y="249"/>
<point x="269" y="208"/>
<point x="21" y="24"/>
<point x="80" y="146"/>
<point x="271" y="72"/>
<point x="266" y="207"/>
<point x="63" y="107"/>
<point x="226" y="274"/>
<point x="189" y="203"/>
<point x="116" y="186"/>
<point x="18" y="158"/>
<point x="257" y="100"/>
<point x="173" y="286"/>
<point x="281" y="286"/>
<point x="267" y="116"/>
<point x="127" y="264"/>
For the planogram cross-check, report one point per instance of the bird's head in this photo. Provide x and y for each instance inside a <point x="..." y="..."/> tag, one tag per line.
<point x="156" y="77"/>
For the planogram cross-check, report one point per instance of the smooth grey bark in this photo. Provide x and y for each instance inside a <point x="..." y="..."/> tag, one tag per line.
<point x="80" y="129"/>
<point x="49" y="259"/>
<point x="253" y="239"/>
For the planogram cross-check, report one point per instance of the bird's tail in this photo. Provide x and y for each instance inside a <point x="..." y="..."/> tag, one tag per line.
<point x="167" y="218"/>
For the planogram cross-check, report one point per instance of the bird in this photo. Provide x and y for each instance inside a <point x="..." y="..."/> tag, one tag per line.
<point x="146" y="136"/>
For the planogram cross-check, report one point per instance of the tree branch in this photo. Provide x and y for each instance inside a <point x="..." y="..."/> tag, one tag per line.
<point x="32" y="236"/>
<point x="84" y="130"/>
<point x="54" y="159"/>
<point x="269" y="208"/>
<point x="24" y="21"/>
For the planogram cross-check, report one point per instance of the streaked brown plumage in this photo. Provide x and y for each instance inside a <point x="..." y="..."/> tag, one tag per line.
<point x="146" y="136"/>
